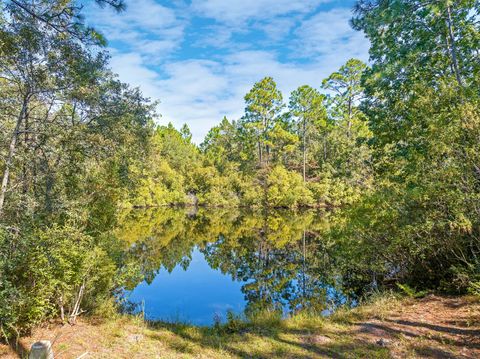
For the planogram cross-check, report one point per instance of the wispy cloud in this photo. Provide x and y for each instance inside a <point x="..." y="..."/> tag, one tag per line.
<point x="132" y="69"/>
<point x="237" y="12"/>
<point x="146" y="27"/>
<point x="328" y="33"/>
<point x="274" y="18"/>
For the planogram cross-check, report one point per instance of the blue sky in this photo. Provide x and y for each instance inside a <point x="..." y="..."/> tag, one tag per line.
<point x="200" y="57"/>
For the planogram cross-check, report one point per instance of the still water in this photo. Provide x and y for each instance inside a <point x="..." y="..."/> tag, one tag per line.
<point x="194" y="295"/>
<point x="196" y="265"/>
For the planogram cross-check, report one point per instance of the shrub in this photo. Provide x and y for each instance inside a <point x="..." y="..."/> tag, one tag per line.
<point x="286" y="189"/>
<point x="45" y="272"/>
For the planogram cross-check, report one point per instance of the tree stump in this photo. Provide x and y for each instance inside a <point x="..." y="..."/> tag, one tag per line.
<point x="41" y="350"/>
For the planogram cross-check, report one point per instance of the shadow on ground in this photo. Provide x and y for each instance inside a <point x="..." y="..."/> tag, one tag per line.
<point x="398" y="335"/>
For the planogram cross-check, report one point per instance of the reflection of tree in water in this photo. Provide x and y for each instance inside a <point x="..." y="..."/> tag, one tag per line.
<point x="283" y="257"/>
<point x="280" y="262"/>
<point x="310" y="286"/>
<point x="166" y="237"/>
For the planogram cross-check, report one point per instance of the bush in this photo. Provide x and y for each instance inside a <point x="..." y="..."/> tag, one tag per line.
<point x="235" y="323"/>
<point x="43" y="271"/>
<point x="411" y="292"/>
<point x="286" y="189"/>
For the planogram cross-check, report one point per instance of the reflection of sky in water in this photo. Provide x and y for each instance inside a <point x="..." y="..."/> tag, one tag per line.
<point x="194" y="296"/>
<point x="200" y="294"/>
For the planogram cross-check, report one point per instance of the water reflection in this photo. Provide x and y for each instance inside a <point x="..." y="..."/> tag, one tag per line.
<point x="280" y="260"/>
<point x="195" y="295"/>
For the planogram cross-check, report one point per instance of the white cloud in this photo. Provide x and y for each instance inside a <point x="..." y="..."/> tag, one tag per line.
<point x="274" y="18"/>
<point x="132" y="69"/>
<point x="146" y="27"/>
<point x="279" y="27"/>
<point x="239" y="11"/>
<point x="329" y="34"/>
<point x="217" y="36"/>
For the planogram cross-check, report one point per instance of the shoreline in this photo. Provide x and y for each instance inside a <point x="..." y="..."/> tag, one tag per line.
<point x="386" y="327"/>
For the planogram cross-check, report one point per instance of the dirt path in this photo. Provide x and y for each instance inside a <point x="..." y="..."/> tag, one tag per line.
<point x="432" y="327"/>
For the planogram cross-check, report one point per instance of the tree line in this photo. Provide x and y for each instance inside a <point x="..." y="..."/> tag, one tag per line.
<point x="312" y="152"/>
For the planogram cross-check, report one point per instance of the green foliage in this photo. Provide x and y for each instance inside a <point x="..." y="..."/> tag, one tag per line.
<point x="421" y="215"/>
<point x="158" y="183"/>
<point x="43" y="271"/>
<point x="286" y="189"/>
<point x="475" y="288"/>
<point x="235" y="323"/>
<point x="410" y="292"/>
<point x="70" y="137"/>
<point x="258" y="158"/>
<point x="214" y="189"/>
<point x="264" y="103"/>
<point x="306" y="106"/>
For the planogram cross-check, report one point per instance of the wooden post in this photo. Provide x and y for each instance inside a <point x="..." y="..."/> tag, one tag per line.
<point x="41" y="350"/>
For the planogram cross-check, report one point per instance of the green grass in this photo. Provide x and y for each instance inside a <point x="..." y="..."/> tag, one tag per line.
<point x="265" y="335"/>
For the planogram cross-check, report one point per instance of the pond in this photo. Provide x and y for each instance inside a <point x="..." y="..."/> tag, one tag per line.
<point x="196" y="265"/>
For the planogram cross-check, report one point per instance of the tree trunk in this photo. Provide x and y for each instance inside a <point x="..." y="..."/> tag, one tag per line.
<point x="266" y="154"/>
<point x="62" y="309"/>
<point x="453" y="47"/>
<point x="25" y="154"/>
<point x="260" y="159"/>
<point x="349" y="124"/>
<point x="76" y="311"/>
<point x="324" y="149"/>
<point x="11" y="154"/>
